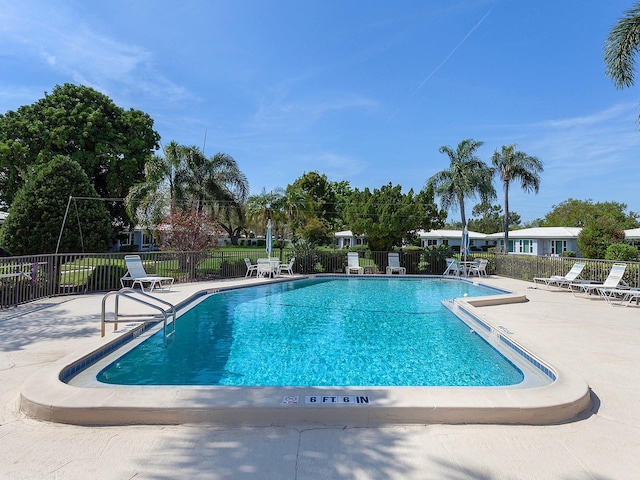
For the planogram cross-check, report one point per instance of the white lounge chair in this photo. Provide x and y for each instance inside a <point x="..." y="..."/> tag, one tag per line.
<point x="453" y="267"/>
<point x="353" y="264"/>
<point x="251" y="267"/>
<point x="613" y="280"/>
<point x="620" y="296"/>
<point x="394" y="265"/>
<point x="479" y="268"/>
<point x="287" y="267"/>
<point x="561" y="281"/>
<point x="138" y="276"/>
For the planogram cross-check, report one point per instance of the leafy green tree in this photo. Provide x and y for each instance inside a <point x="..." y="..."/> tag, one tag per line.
<point x="491" y="219"/>
<point x="595" y="237"/>
<point x="110" y="144"/>
<point x="37" y="213"/>
<point x="578" y="213"/>
<point x="323" y="199"/>
<point x="317" y="232"/>
<point x="387" y="217"/>
<point x="343" y="191"/>
<point x="466" y="177"/>
<point x="512" y="165"/>
<point x="621" y="48"/>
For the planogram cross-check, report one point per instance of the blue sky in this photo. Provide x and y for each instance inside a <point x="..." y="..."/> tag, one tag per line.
<point x="364" y="91"/>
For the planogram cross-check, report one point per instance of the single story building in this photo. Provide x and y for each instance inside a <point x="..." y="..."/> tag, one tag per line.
<point x="633" y="236"/>
<point x="542" y="241"/>
<point x="453" y="238"/>
<point x="347" y="239"/>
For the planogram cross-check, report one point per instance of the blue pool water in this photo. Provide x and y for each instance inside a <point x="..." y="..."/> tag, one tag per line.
<point x="321" y="332"/>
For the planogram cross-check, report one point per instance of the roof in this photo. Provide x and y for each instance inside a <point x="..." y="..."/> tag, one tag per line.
<point x="632" y="233"/>
<point x="541" y="232"/>
<point x="346" y="233"/>
<point x="450" y="234"/>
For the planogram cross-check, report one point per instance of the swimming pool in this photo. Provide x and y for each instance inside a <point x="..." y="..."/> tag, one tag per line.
<point x="67" y="391"/>
<point x="322" y="332"/>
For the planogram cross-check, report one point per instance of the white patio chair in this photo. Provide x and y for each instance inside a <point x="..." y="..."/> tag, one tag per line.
<point x="251" y="267"/>
<point x="453" y="268"/>
<point x="287" y="267"/>
<point x="479" y="268"/>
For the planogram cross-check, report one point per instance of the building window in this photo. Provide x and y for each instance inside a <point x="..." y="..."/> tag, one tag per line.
<point x="511" y="246"/>
<point x="558" y="246"/>
<point x="526" y="246"/>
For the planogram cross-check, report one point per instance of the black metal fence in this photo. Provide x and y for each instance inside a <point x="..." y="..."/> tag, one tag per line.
<point x="28" y="278"/>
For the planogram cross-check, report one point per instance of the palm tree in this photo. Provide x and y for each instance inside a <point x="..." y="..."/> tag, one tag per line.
<point x="185" y="179"/>
<point x="207" y="181"/>
<point x="466" y="177"/>
<point x="621" y="48"/>
<point x="149" y="202"/>
<point x="297" y="205"/>
<point x="264" y="207"/>
<point x="510" y="165"/>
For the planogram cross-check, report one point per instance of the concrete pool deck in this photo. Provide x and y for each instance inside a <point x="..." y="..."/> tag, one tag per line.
<point x="590" y="337"/>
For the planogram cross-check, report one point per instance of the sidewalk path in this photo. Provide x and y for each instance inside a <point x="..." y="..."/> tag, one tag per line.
<point x="599" y="342"/>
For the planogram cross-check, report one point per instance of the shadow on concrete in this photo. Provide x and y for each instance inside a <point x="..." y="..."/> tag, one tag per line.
<point x="30" y="324"/>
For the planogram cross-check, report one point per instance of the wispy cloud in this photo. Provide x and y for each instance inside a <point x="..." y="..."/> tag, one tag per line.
<point x="56" y="38"/>
<point x="280" y="108"/>
<point x="584" y="156"/>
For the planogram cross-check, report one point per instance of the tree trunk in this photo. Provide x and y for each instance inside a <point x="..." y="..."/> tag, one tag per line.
<point x="506" y="217"/>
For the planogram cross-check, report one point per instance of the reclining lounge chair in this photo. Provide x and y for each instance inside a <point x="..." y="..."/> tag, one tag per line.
<point x="613" y="280"/>
<point x="561" y="281"/>
<point x="353" y="264"/>
<point x="137" y="275"/>
<point x="394" y="265"/>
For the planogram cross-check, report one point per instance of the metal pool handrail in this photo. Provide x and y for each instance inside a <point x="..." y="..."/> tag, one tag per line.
<point x="129" y="292"/>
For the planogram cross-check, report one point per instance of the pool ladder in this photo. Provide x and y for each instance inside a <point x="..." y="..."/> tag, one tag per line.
<point x="146" y="300"/>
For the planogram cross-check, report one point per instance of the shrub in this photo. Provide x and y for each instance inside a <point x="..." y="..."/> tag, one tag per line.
<point x="105" y="277"/>
<point x="621" y="251"/>
<point x="233" y="268"/>
<point x="38" y="210"/>
<point x="595" y="237"/>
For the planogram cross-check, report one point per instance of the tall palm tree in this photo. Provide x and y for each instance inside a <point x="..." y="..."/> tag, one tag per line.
<point x="217" y="185"/>
<point x="148" y="202"/>
<point x="185" y="179"/>
<point x="264" y="207"/>
<point x="512" y="165"/>
<point x="466" y="177"/>
<point x="621" y="48"/>
<point x="297" y="205"/>
<point x="207" y="181"/>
